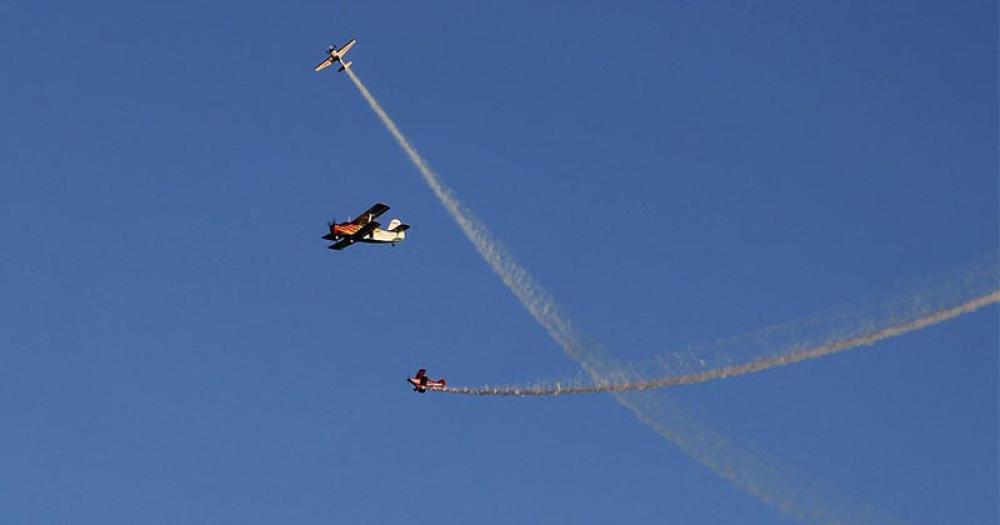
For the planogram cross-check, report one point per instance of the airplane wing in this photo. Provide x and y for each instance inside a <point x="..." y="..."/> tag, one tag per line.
<point x="365" y="230"/>
<point x="360" y="234"/>
<point x="347" y="47"/>
<point x="323" y="65"/>
<point x="371" y="213"/>
<point x="344" y="243"/>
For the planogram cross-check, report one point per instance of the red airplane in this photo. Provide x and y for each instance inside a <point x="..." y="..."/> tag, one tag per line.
<point x="421" y="383"/>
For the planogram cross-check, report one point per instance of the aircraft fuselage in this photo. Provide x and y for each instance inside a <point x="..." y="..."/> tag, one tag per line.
<point x="378" y="235"/>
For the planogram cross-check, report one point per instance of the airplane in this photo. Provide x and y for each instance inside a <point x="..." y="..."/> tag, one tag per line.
<point x="364" y="228"/>
<point x="336" y="55"/>
<point x="421" y="383"/>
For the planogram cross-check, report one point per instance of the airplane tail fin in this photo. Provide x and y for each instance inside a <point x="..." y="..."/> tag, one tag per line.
<point x="397" y="226"/>
<point x="344" y="65"/>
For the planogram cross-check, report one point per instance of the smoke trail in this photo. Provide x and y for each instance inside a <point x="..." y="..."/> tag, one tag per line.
<point x="538" y="302"/>
<point x="758" y="365"/>
<point x="764" y="480"/>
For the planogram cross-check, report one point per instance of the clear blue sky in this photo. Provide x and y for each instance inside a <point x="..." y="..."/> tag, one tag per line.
<point x="179" y="347"/>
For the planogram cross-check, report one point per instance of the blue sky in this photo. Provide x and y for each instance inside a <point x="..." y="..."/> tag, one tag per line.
<point x="179" y="347"/>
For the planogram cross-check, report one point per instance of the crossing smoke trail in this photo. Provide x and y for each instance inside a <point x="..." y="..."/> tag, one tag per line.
<point x="759" y="365"/>
<point x="765" y="480"/>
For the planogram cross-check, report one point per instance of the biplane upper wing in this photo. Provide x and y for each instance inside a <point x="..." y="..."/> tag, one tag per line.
<point x="371" y="213"/>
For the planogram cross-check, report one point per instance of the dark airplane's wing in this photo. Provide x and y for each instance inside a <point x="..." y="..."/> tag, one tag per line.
<point x="347" y="241"/>
<point x="421" y="373"/>
<point x="344" y="243"/>
<point x="365" y="230"/>
<point x="371" y="213"/>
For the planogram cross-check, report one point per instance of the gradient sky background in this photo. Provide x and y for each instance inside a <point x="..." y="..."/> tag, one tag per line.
<point x="179" y="347"/>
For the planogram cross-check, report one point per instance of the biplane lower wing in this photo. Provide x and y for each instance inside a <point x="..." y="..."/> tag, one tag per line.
<point x="360" y="234"/>
<point x="343" y="243"/>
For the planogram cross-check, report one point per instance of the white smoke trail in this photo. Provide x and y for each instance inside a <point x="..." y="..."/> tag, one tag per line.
<point x="766" y="481"/>
<point x="758" y="365"/>
<point x="538" y="302"/>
